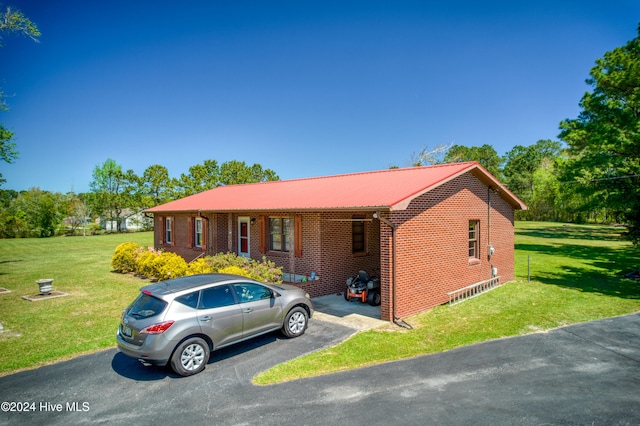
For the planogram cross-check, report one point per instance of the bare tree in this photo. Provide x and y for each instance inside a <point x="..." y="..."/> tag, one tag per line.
<point x="424" y="157"/>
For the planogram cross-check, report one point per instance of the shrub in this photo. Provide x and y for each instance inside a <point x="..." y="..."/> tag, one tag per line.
<point x="131" y="257"/>
<point x="235" y="270"/>
<point x="145" y="263"/>
<point x="265" y="271"/>
<point x="124" y="257"/>
<point x="199" y="266"/>
<point x="169" y="265"/>
<point x="222" y="260"/>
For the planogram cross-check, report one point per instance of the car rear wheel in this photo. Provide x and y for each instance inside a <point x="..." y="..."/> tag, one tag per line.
<point x="190" y="357"/>
<point x="295" y="323"/>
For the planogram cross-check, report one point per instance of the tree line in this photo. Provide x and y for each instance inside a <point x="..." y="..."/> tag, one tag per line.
<point x="534" y="173"/>
<point x="114" y="193"/>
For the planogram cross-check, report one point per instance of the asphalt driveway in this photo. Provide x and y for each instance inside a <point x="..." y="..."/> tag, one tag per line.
<point x="583" y="374"/>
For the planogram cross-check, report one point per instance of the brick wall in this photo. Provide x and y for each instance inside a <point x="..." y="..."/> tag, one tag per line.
<point x="326" y="249"/>
<point x="432" y="255"/>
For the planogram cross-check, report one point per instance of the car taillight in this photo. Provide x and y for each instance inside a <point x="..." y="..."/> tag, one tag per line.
<point x="157" y="328"/>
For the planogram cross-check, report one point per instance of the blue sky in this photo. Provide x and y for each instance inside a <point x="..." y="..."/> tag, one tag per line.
<point x="305" y="88"/>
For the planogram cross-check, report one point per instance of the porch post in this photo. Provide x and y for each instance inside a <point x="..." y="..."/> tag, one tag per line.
<point x="230" y="228"/>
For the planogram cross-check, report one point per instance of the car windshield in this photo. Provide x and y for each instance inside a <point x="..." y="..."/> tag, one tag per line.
<point x="146" y="306"/>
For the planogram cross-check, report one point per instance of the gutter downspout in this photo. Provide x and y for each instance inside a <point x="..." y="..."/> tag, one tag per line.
<point x="490" y="247"/>
<point x="394" y="318"/>
<point x="489" y="230"/>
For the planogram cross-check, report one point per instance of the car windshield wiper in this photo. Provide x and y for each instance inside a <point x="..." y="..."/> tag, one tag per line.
<point x="142" y="314"/>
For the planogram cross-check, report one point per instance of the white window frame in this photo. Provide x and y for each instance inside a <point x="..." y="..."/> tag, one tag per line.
<point x="474" y="239"/>
<point x="197" y="232"/>
<point x="168" y="237"/>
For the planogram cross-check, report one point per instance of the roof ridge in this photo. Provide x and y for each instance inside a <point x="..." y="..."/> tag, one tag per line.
<point x="365" y="172"/>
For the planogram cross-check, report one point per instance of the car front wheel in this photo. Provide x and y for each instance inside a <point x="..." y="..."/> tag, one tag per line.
<point x="190" y="357"/>
<point x="295" y="323"/>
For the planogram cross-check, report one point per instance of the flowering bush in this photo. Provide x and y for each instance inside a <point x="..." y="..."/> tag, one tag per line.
<point x="222" y="260"/>
<point x="169" y="265"/>
<point x="147" y="262"/>
<point x="124" y="257"/>
<point x="199" y="266"/>
<point x="265" y="271"/>
<point x="235" y="270"/>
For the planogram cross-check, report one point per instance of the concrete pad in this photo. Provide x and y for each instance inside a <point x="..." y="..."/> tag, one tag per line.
<point x="51" y="295"/>
<point x="356" y="315"/>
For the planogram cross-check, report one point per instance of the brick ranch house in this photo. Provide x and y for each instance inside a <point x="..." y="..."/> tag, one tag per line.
<point x="452" y="226"/>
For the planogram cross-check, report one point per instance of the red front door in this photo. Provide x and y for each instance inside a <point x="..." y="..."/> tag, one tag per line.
<point x="243" y="236"/>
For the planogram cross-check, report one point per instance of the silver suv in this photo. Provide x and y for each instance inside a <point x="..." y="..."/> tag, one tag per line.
<point x="181" y="321"/>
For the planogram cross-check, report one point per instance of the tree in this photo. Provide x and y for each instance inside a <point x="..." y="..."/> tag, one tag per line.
<point x="209" y="175"/>
<point x="155" y="186"/>
<point x="235" y="172"/>
<point x="113" y="191"/>
<point x="34" y="213"/>
<point x="8" y="152"/>
<point x="424" y="157"/>
<point x="200" y="178"/>
<point x="78" y="213"/>
<point x="604" y="140"/>
<point x="486" y="155"/>
<point x="527" y="167"/>
<point x="12" y="21"/>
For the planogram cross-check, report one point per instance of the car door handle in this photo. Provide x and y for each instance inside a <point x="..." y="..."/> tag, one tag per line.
<point x="247" y="310"/>
<point x="205" y="318"/>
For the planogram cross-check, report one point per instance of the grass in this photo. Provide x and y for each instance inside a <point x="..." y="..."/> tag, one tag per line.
<point x="577" y="275"/>
<point x="41" y="332"/>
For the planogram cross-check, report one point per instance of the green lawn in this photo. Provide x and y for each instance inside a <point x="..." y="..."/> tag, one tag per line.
<point x="576" y="271"/>
<point x="577" y="275"/>
<point x="40" y="332"/>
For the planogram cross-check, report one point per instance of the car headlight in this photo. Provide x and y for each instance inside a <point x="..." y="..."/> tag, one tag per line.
<point x="307" y="296"/>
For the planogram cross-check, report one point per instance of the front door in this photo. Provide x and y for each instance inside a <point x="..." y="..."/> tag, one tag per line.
<point x="243" y="236"/>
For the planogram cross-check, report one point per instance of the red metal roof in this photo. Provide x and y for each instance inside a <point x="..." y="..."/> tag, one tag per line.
<point x="391" y="189"/>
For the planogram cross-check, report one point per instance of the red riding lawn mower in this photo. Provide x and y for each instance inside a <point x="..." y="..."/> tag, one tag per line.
<point x="362" y="286"/>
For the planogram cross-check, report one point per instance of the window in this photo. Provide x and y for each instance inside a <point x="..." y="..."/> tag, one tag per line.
<point x="279" y="233"/>
<point x="168" y="230"/>
<point x="358" y="236"/>
<point x="249" y="292"/>
<point x="198" y="232"/>
<point x="190" y="299"/>
<point x="216" y="297"/>
<point x="146" y="306"/>
<point x="474" y="226"/>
